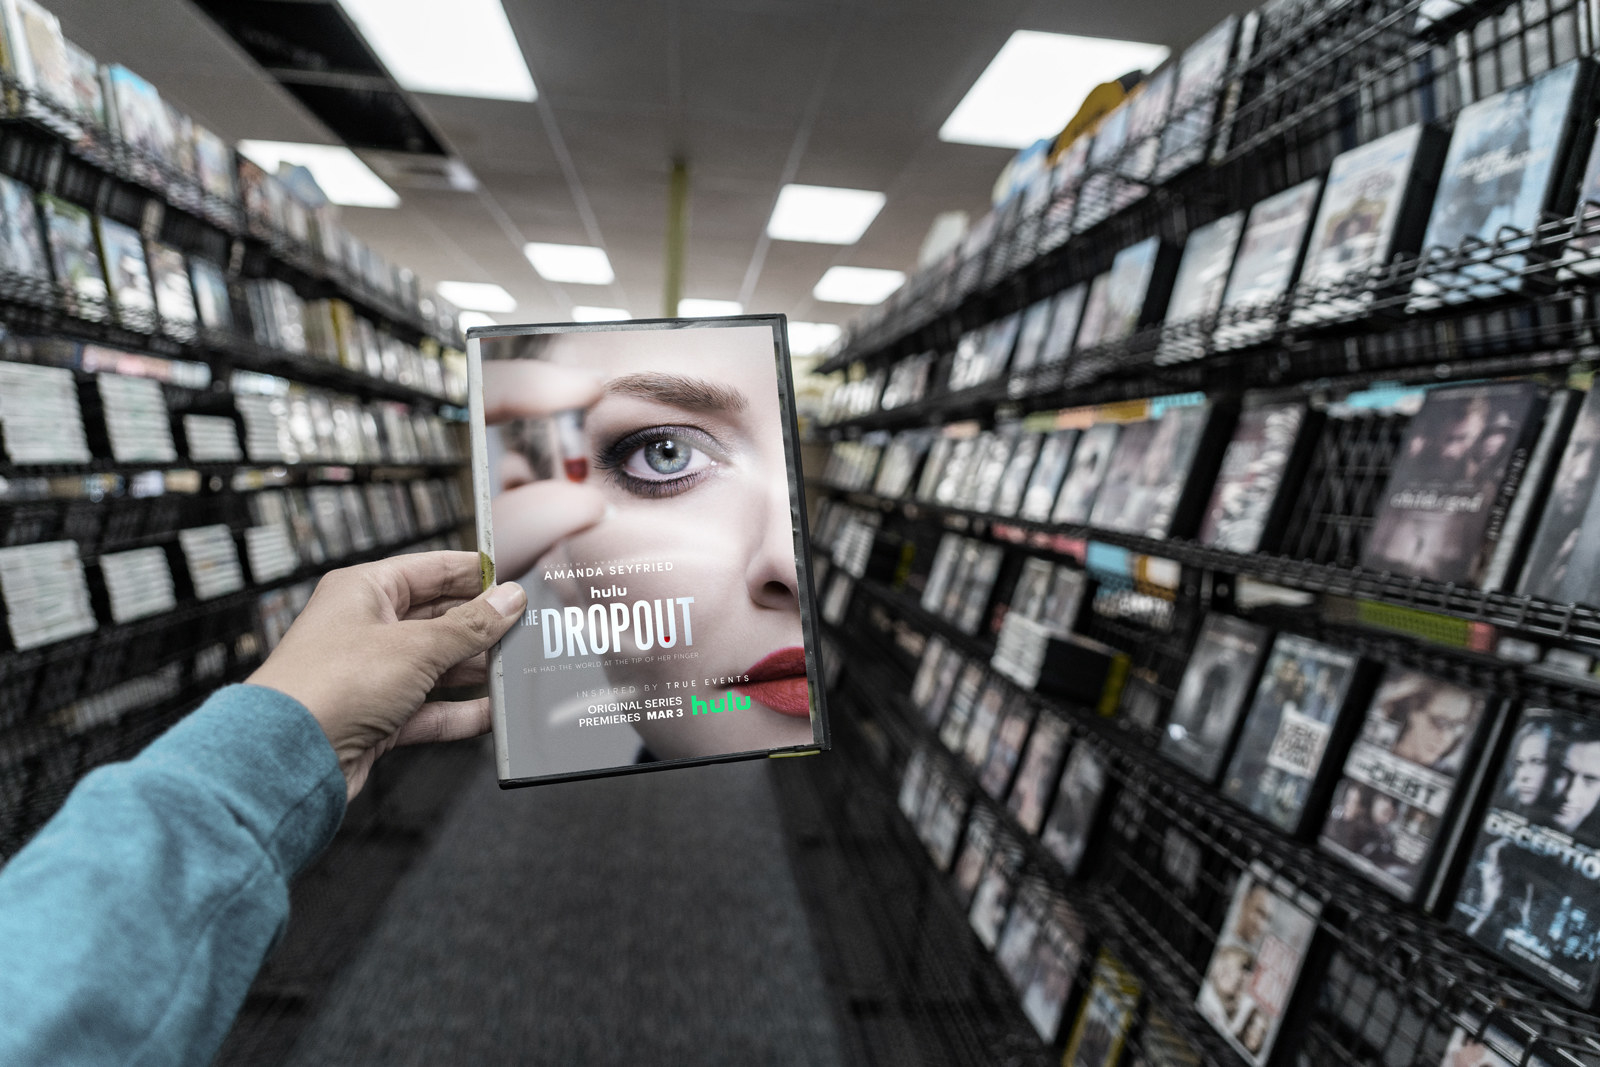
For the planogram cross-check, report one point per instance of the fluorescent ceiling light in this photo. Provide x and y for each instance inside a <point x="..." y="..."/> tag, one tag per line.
<point x="337" y="170"/>
<point x="468" y="319"/>
<point x="581" y="264"/>
<point x="1037" y="82"/>
<point x="822" y="214"/>
<point x="693" y="308"/>
<point x="586" y="313"/>
<point x="857" y="285"/>
<point x="478" y="296"/>
<point x="809" y="338"/>
<point x="454" y="47"/>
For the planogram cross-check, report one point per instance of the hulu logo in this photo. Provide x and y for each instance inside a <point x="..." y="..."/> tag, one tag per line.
<point x="729" y="702"/>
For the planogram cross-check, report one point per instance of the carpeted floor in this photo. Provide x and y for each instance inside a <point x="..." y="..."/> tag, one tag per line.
<point x="645" y="919"/>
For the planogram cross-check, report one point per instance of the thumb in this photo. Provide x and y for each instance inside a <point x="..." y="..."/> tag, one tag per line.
<point x="468" y="629"/>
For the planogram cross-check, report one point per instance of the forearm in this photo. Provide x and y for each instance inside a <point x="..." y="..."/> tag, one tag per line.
<point x="132" y="926"/>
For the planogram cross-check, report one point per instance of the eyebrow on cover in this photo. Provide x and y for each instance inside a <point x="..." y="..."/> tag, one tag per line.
<point x="694" y="394"/>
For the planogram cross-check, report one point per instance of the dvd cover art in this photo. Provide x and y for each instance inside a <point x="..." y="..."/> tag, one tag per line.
<point x="973" y="856"/>
<point x="1066" y="313"/>
<point x="1117" y="298"/>
<point x="922" y="685"/>
<point x="37" y="57"/>
<point x="1162" y="1045"/>
<point x="996" y="887"/>
<point x="1032" y="334"/>
<point x="1216" y="684"/>
<point x="1106" y="1016"/>
<point x="1006" y="749"/>
<point x="988" y="473"/>
<point x="1150" y="472"/>
<point x="1400" y="778"/>
<point x="69" y="230"/>
<point x="1014" y="479"/>
<point x="1357" y="223"/>
<point x="1563" y="565"/>
<point x="1531" y="893"/>
<point x="22" y="246"/>
<point x="1288" y="729"/>
<point x="1246" y="494"/>
<point x="1201" y="71"/>
<point x="1014" y="951"/>
<point x="211" y="297"/>
<point x="123" y="254"/>
<point x="1055" y="453"/>
<point x="944" y="684"/>
<point x="958" y="714"/>
<point x="1257" y="963"/>
<point x="1264" y="267"/>
<point x="943" y="815"/>
<point x="174" y="296"/>
<point x="1458" y="468"/>
<point x="913" y="783"/>
<point x="1502" y="170"/>
<point x="1203" y="269"/>
<point x="1076" y="808"/>
<point x="1058" y="952"/>
<point x="672" y="619"/>
<point x="1041" y="767"/>
<point x="986" y="714"/>
<point x="142" y="119"/>
<point x="1090" y="462"/>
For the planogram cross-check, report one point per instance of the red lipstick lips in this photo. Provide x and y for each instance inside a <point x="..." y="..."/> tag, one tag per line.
<point x="779" y="682"/>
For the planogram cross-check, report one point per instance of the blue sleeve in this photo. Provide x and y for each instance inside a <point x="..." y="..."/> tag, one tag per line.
<point x="133" y="924"/>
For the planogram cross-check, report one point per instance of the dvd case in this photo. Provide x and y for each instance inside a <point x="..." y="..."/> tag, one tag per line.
<point x="1161" y="472"/>
<point x="1055" y="453"/>
<point x="1393" y="806"/>
<point x="1265" y="265"/>
<point x="1131" y="294"/>
<point x="1198" y="287"/>
<point x="1531" y="893"/>
<point x="1257" y="963"/>
<point x="1280" y="766"/>
<point x="1077" y="807"/>
<point x="1562" y="564"/>
<point x="671" y="620"/>
<point x="1041" y="766"/>
<point x="1269" y="450"/>
<point x="1107" y="1015"/>
<point x="1457" y="472"/>
<point x="1217" y="682"/>
<point x="1090" y="461"/>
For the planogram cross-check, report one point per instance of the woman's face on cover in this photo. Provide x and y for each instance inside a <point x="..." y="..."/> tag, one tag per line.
<point x="686" y="443"/>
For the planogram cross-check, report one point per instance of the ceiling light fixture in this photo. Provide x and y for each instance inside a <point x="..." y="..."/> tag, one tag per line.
<point x="693" y="308"/>
<point x="809" y="338"/>
<point x="452" y="47"/>
<point x="1037" y="82"/>
<point x="478" y="296"/>
<point x="337" y="170"/>
<point x="587" y="313"/>
<point x="823" y="215"/>
<point x="857" y="285"/>
<point x="579" y="264"/>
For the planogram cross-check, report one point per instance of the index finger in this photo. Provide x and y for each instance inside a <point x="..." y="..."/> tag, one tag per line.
<point x="420" y="577"/>
<point x="530" y="388"/>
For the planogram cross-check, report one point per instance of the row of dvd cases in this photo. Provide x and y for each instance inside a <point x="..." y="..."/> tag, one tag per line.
<point x="209" y="395"/>
<point x="1205" y="537"/>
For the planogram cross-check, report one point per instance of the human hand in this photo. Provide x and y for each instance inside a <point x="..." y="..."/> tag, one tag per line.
<point x="374" y="640"/>
<point x="530" y="515"/>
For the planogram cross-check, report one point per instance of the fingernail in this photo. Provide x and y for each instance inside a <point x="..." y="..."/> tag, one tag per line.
<point x="507" y="598"/>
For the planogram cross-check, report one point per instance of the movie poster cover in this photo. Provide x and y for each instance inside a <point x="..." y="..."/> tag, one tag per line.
<point x="939" y="696"/>
<point x="641" y="480"/>
<point x="22" y="248"/>
<point x="1055" y="453"/>
<point x="1090" y="462"/>
<point x="1203" y="270"/>
<point x="1457" y="471"/>
<point x="1245" y="499"/>
<point x="933" y="467"/>
<point x="1066" y="313"/>
<point x="1503" y="169"/>
<point x="996" y="886"/>
<point x="1117" y="298"/>
<point x="933" y="652"/>
<point x="1357" y="222"/>
<point x="1161" y="1044"/>
<point x="1531" y="892"/>
<point x="1031" y="335"/>
<point x="1391" y="807"/>
<point x="1006" y="749"/>
<point x="958" y="714"/>
<point x="75" y="260"/>
<point x="1058" y="953"/>
<point x="1106" y="1016"/>
<point x="1077" y="806"/>
<point x="1014" y="951"/>
<point x="1257" y="963"/>
<point x="1288" y="728"/>
<point x="974" y="854"/>
<point x="1194" y="100"/>
<point x="122" y="251"/>
<point x="942" y="816"/>
<point x="985" y="719"/>
<point x="1014" y="480"/>
<point x="1150" y="472"/>
<point x="1216" y="684"/>
<point x="1264" y="268"/>
<point x="1041" y="767"/>
<point x="1563" y="565"/>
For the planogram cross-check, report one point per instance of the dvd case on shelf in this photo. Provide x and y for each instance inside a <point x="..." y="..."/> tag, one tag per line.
<point x="1014" y="950"/>
<point x="212" y="559"/>
<point x="1031" y="335"/>
<point x="174" y="295"/>
<point x="136" y="418"/>
<point x="36" y="55"/>
<point x="1154" y="486"/>
<point x="1013" y="482"/>
<point x="22" y="245"/>
<point x="211" y="297"/>
<point x="1076" y="809"/>
<point x="40" y="417"/>
<point x="1509" y="163"/>
<point x="1530" y="893"/>
<point x="986" y="714"/>
<point x="1066" y="313"/>
<point x="970" y="860"/>
<point x="1107" y="1014"/>
<point x="632" y="639"/>
<point x="46" y="595"/>
<point x="1392" y="808"/>
<point x="141" y="117"/>
<point x="1091" y="459"/>
<point x="1269" y="449"/>
<point x="1219" y="679"/>
<point x="1195" y="99"/>
<point x="1265" y="264"/>
<point x="1044" y="483"/>
<point x="1460" y="464"/>
<point x="122" y="252"/>
<point x="138" y="583"/>
<point x="74" y="259"/>
<point x="1006" y="749"/>
<point x="1562" y="564"/>
<point x="996" y="886"/>
<point x="1198" y="286"/>
<point x="1059" y="949"/>
<point x="1257" y="963"/>
<point x="1038" y="772"/>
<point x="1129" y="295"/>
<point x="1280" y="765"/>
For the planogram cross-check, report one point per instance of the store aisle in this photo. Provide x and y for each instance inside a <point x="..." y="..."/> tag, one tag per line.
<point x="651" y="918"/>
